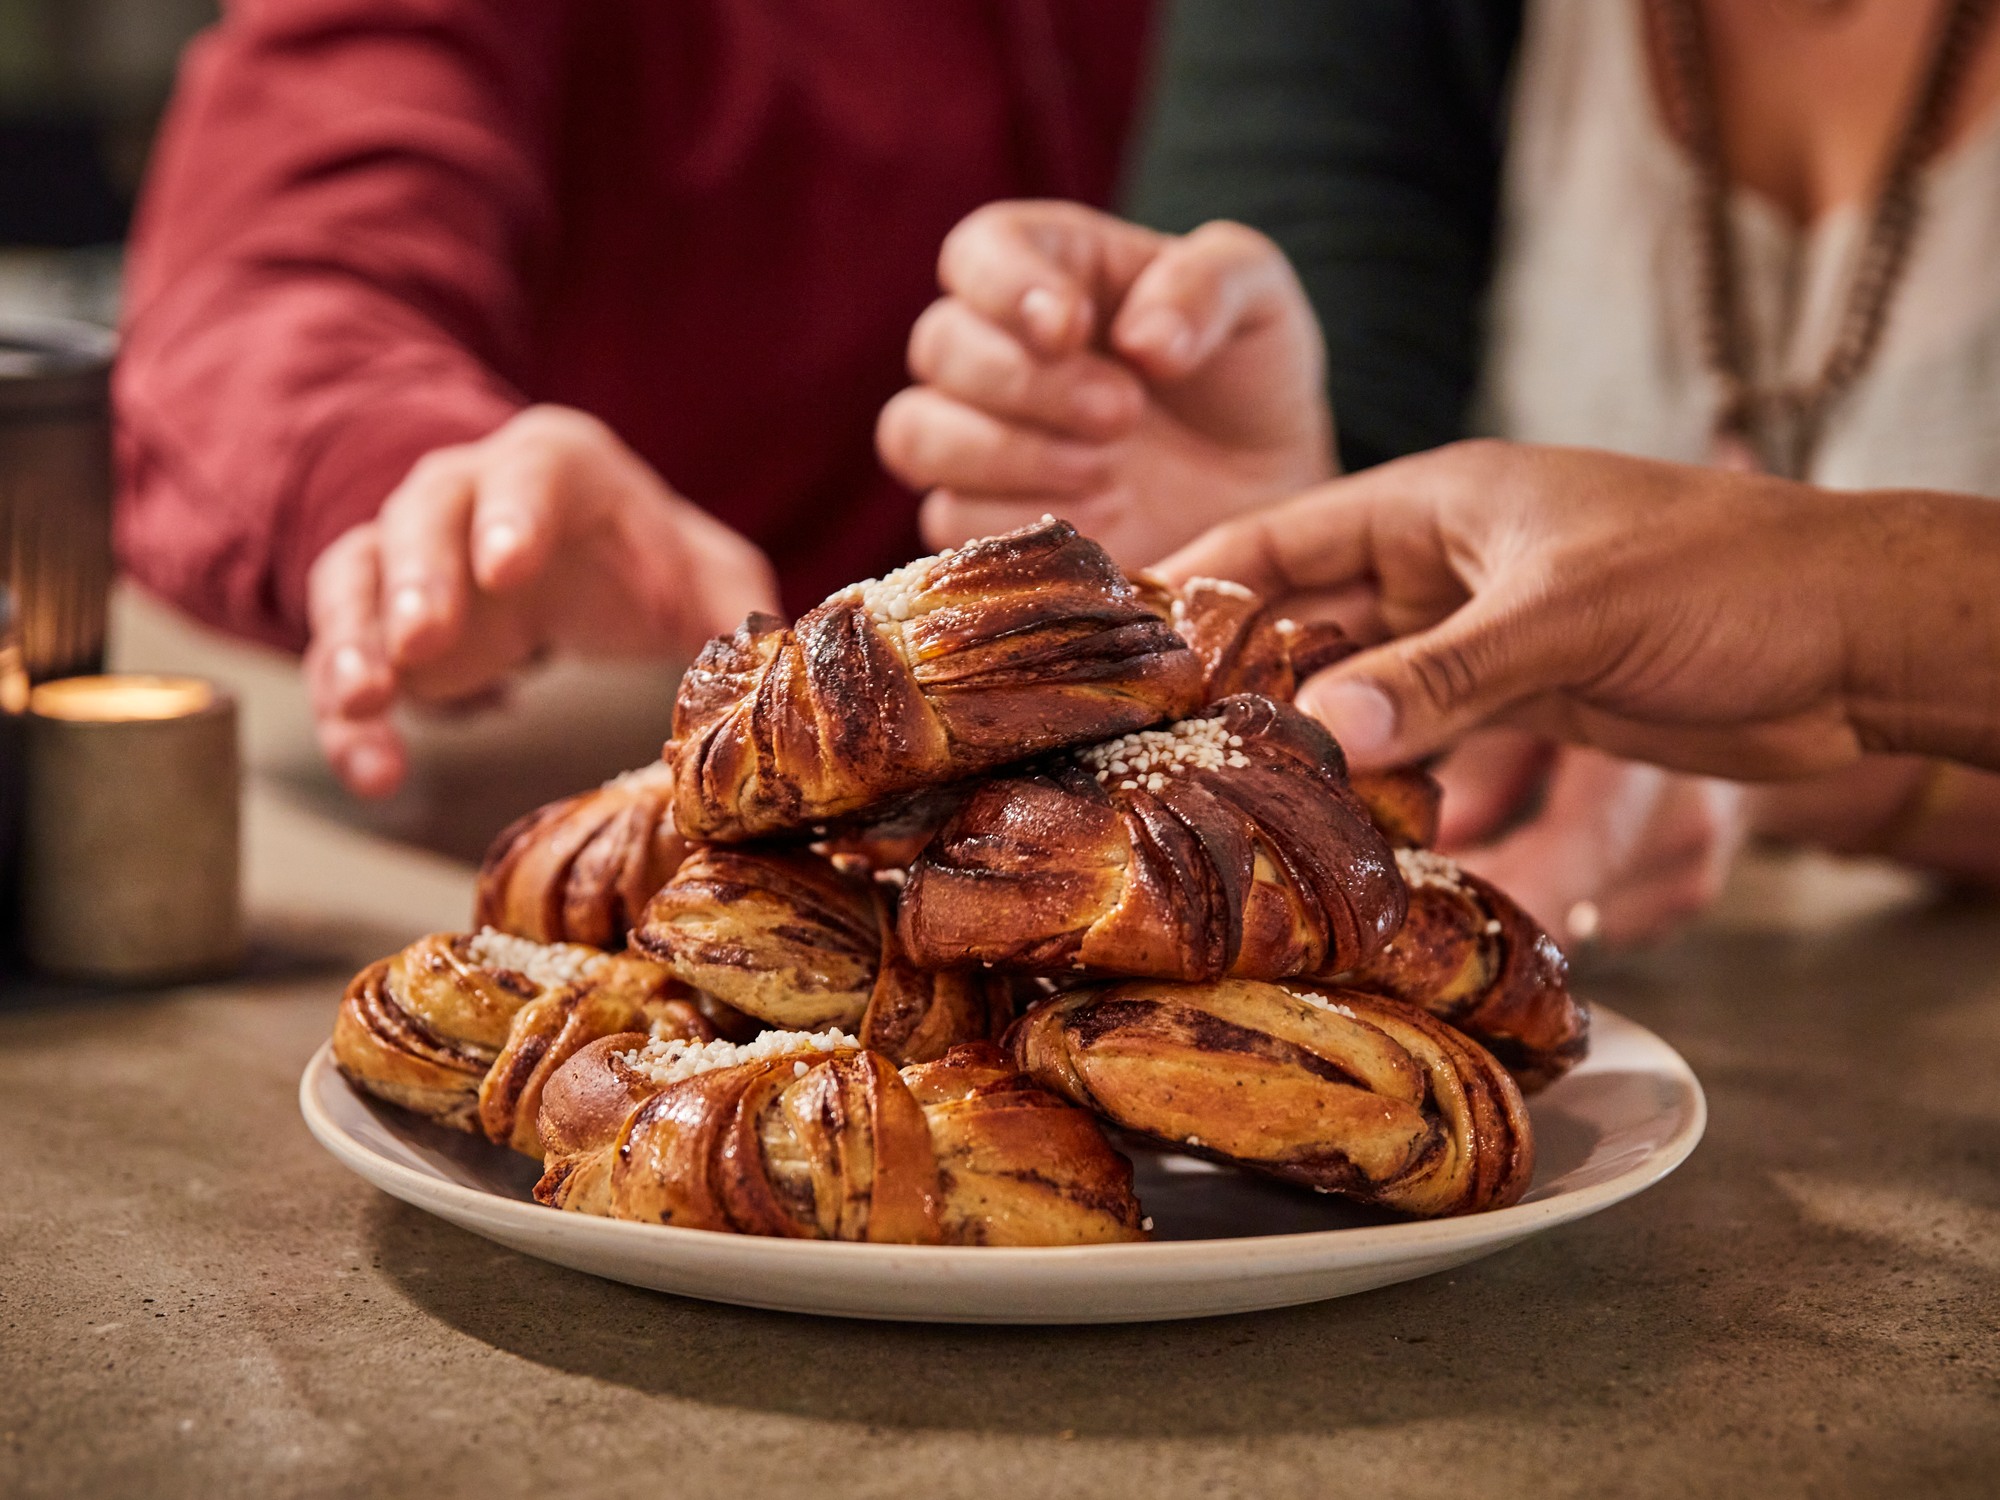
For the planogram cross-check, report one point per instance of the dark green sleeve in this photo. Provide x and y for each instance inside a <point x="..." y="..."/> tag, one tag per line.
<point x="1365" y="137"/>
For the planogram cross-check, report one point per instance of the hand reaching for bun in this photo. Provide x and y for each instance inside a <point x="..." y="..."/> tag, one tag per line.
<point x="1628" y="605"/>
<point x="549" y="534"/>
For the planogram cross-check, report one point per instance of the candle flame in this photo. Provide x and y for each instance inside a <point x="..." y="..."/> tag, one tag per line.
<point x="14" y="684"/>
<point x="117" y="700"/>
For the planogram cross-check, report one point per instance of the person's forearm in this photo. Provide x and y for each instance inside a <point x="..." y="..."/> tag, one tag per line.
<point x="1930" y="814"/>
<point x="324" y="283"/>
<point x="1730" y="624"/>
<point x="1918" y="580"/>
<point x="232" y="481"/>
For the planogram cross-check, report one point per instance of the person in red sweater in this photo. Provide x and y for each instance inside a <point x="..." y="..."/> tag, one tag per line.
<point x="458" y="333"/>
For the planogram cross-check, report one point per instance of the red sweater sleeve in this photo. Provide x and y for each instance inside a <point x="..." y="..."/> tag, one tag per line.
<point x="327" y="281"/>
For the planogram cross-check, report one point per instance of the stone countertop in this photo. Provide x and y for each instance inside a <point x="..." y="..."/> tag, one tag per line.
<point x="198" y="1301"/>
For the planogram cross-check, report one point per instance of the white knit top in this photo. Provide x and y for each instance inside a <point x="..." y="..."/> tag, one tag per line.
<point x="1595" y="333"/>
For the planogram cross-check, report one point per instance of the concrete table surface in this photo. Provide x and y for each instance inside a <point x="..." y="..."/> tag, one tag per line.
<point x="197" y="1301"/>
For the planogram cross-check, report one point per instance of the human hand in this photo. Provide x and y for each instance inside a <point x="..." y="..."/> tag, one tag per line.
<point x="1926" y="813"/>
<point x="1141" y="386"/>
<point x="1611" y="849"/>
<point x="1718" y="622"/>
<point x="548" y="535"/>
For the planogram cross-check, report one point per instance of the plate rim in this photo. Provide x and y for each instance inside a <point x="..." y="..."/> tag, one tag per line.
<point x="1267" y="1252"/>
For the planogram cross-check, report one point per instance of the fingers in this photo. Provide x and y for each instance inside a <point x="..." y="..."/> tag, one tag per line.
<point x="1489" y="780"/>
<point x="1648" y="910"/>
<point x="1388" y="522"/>
<point x="516" y="521"/>
<point x="426" y="567"/>
<point x="367" y="754"/>
<point x="1404" y="700"/>
<point x="1218" y="282"/>
<point x="1598" y="810"/>
<point x="929" y="440"/>
<point x="351" y="675"/>
<point x="1323" y="539"/>
<point x="1043" y="271"/>
<point x="1082" y="395"/>
<point x="349" y="680"/>
<point x="1698" y="827"/>
<point x="1627" y="850"/>
<point x="717" y="579"/>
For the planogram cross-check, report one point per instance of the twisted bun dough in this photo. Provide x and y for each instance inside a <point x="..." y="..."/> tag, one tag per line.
<point x="1404" y="801"/>
<point x="819" y="1142"/>
<point x="803" y="942"/>
<point x="582" y="869"/>
<point x="780" y="934"/>
<point x="1335" y="1090"/>
<point x="950" y="666"/>
<point x="1245" y="646"/>
<point x="1224" y="845"/>
<point x="1468" y="955"/>
<point x="467" y="1028"/>
<point x="889" y="844"/>
<point x="1465" y="952"/>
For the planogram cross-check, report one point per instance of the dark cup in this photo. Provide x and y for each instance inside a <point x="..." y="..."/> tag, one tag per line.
<point x="55" y="490"/>
<point x="55" y="536"/>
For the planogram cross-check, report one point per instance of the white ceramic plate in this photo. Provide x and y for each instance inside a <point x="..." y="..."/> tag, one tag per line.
<point x="1224" y="1242"/>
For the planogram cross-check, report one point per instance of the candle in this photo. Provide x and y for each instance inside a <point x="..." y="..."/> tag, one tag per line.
<point x="130" y="844"/>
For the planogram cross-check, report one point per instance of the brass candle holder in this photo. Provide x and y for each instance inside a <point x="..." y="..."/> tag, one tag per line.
<point x="130" y="849"/>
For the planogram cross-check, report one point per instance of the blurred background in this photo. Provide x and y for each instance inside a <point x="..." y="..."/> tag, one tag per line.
<point x="82" y="86"/>
<point x="82" y="83"/>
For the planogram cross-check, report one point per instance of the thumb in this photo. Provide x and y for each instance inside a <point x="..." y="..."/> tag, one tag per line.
<point x="1200" y="290"/>
<point x="1407" y="699"/>
<point x="1045" y="271"/>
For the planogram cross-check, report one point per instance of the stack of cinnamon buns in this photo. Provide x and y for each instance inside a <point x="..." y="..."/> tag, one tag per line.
<point x="935" y="894"/>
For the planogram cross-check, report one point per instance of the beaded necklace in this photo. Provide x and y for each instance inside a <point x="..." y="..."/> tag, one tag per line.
<point x="1776" y="428"/>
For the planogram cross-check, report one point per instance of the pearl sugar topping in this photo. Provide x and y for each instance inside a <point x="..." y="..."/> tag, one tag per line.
<point x="892" y="598"/>
<point x="1425" y="867"/>
<point x="1227" y="587"/>
<point x="1145" y="759"/>
<point x="547" y="965"/>
<point x="669" y="1061"/>
<point x="1321" y="1002"/>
